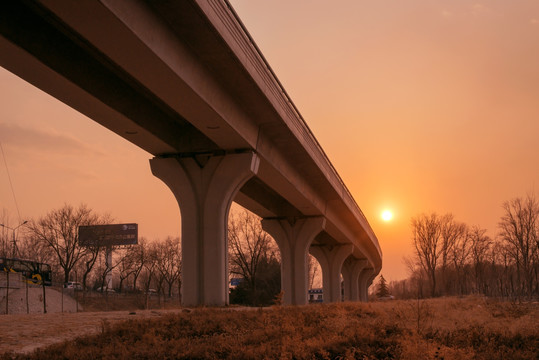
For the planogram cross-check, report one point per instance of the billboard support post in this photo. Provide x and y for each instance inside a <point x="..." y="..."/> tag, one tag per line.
<point x="108" y="236"/>
<point x="108" y="265"/>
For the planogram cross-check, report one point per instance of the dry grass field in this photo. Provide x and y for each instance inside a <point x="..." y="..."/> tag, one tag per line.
<point x="451" y="328"/>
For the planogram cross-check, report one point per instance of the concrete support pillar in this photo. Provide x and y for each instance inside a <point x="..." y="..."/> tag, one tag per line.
<point x="331" y="260"/>
<point x="365" y="279"/>
<point x="204" y="186"/>
<point x="350" y="272"/>
<point x="294" y="239"/>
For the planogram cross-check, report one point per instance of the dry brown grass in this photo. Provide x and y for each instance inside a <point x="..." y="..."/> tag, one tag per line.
<point x="130" y="302"/>
<point x="471" y="328"/>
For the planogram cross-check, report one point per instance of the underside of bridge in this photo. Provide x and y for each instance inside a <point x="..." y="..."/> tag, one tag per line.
<point x="184" y="81"/>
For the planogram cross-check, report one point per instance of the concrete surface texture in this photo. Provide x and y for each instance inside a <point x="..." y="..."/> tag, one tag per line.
<point x="55" y="301"/>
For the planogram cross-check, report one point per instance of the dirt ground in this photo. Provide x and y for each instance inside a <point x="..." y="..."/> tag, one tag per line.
<point x="22" y="333"/>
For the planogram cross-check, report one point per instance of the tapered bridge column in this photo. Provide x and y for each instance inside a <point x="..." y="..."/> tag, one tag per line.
<point x="331" y="259"/>
<point x="365" y="279"/>
<point x="350" y="272"/>
<point x="294" y="239"/>
<point x="204" y="186"/>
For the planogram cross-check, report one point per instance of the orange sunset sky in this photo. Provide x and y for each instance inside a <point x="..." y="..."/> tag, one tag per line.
<point x="421" y="105"/>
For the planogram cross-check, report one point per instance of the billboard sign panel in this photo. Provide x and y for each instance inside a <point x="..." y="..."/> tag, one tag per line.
<point x="108" y="235"/>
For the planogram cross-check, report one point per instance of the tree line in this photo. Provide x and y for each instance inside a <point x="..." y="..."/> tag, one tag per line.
<point x="453" y="258"/>
<point x="53" y="239"/>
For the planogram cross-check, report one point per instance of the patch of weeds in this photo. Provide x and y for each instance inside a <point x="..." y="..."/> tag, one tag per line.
<point x="400" y="330"/>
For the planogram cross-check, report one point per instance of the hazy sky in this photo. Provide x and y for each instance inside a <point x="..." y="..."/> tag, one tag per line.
<point x="421" y="105"/>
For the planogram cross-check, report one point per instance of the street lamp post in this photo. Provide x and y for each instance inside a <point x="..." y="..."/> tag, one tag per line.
<point x="13" y="231"/>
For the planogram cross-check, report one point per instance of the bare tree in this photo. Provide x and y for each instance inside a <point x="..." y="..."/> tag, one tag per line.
<point x="149" y="264"/>
<point x="89" y="258"/>
<point x="518" y="229"/>
<point x="480" y="245"/>
<point x="140" y="255"/>
<point x="169" y="262"/>
<point x="248" y="243"/>
<point x="127" y="264"/>
<point x="105" y="268"/>
<point x="450" y="231"/>
<point x="417" y="275"/>
<point x="427" y="232"/>
<point x="253" y="256"/>
<point x="460" y="257"/>
<point x="59" y="230"/>
<point x="31" y="247"/>
<point x="497" y="269"/>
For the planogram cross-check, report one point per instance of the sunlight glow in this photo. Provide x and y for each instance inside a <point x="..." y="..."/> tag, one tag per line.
<point x="387" y="215"/>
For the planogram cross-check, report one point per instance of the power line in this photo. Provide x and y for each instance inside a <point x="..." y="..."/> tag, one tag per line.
<point x="10" y="183"/>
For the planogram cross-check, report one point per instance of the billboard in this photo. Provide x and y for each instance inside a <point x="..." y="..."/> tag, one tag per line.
<point x="108" y="235"/>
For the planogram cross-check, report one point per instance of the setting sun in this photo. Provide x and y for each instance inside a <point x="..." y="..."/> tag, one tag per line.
<point x="387" y="215"/>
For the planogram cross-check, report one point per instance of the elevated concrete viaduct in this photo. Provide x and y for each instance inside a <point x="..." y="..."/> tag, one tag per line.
<point x="184" y="81"/>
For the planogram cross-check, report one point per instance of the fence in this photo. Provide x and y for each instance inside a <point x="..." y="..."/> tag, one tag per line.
<point x="18" y="296"/>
